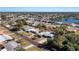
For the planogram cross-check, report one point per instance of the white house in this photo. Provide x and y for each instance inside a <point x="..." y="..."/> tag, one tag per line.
<point x="31" y="29"/>
<point x="46" y="34"/>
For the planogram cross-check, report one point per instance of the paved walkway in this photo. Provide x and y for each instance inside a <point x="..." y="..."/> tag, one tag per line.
<point x="27" y="47"/>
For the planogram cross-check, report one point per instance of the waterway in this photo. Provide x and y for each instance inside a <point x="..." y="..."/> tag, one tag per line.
<point x="71" y="20"/>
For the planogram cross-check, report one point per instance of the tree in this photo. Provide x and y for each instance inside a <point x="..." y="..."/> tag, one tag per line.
<point x="41" y="26"/>
<point x="3" y="18"/>
<point x="63" y="40"/>
<point x="22" y="42"/>
<point x="49" y="41"/>
<point x="19" y="24"/>
<point x="56" y="19"/>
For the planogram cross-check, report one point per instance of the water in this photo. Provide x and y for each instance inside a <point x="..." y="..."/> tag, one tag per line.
<point x="71" y="20"/>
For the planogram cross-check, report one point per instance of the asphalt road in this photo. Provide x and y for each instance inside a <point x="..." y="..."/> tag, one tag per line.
<point x="28" y="39"/>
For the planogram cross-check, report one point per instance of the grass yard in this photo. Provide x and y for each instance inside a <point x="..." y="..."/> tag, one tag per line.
<point x="24" y="42"/>
<point x="26" y="33"/>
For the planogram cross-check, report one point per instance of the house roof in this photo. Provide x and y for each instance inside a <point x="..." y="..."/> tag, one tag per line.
<point x="11" y="45"/>
<point x="31" y="29"/>
<point x="72" y="29"/>
<point x="4" y="37"/>
<point x="46" y="34"/>
<point x="27" y="27"/>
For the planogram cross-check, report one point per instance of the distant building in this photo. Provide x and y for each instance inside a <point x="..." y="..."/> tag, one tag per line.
<point x="71" y="29"/>
<point x="35" y="23"/>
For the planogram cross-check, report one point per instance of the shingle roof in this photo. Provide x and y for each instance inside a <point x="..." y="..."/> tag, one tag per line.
<point x="10" y="46"/>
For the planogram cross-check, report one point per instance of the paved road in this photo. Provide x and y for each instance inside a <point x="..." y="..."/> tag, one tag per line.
<point x="25" y="37"/>
<point x="28" y="39"/>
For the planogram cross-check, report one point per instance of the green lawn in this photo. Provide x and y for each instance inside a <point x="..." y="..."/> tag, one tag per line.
<point x="26" y="33"/>
<point x="23" y="42"/>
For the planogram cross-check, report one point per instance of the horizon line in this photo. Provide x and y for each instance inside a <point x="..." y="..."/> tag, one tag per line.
<point x="39" y="9"/>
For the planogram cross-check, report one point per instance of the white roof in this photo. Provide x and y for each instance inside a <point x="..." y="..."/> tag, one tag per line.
<point x="7" y="36"/>
<point x="27" y="27"/>
<point x="46" y="33"/>
<point x="31" y="29"/>
<point x="35" y="23"/>
<point x="7" y="25"/>
<point x="60" y="22"/>
<point x="4" y="37"/>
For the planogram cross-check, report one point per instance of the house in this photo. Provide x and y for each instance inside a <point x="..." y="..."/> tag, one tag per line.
<point x="30" y="29"/>
<point x="73" y="24"/>
<point x="59" y="23"/>
<point x="11" y="46"/>
<point x="46" y="34"/>
<point x="72" y="29"/>
<point x="7" y="26"/>
<point x="3" y="39"/>
<point x="77" y="25"/>
<point x="35" y="23"/>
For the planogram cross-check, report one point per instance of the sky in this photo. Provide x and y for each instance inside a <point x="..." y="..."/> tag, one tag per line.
<point x="39" y="9"/>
